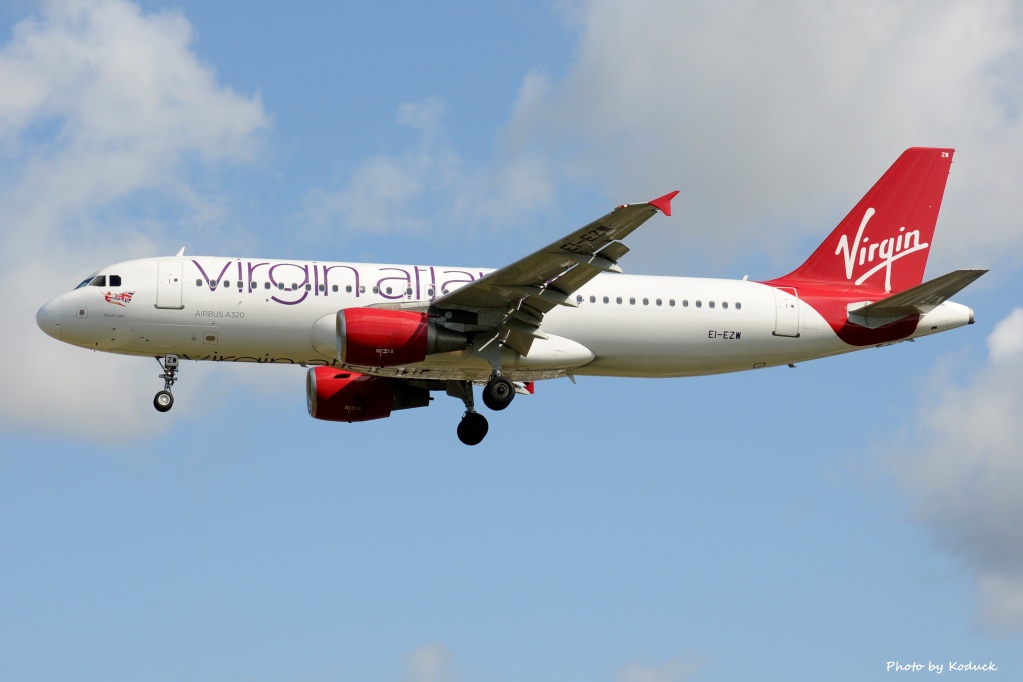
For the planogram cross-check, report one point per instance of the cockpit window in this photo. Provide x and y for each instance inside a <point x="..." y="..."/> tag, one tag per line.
<point x="98" y="281"/>
<point x="115" y="280"/>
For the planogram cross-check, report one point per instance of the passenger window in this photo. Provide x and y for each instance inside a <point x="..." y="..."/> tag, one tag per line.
<point x="227" y="282"/>
<point x="98" y="281"/>
<point x="593" y="299"/>
<point x="699" y="304"/>
<point x="646" y="301"/>
<point x="579" y="299"/>
<point x="294" y="287"/>
<point x="671" y="302"/>
<point x="362" y="288"/>
<point x="408" y="292"/>
<point x="429" y="292"/>
<point x="252" y="285"/>
<point x="334" y="288"/>
<point x="115" y="280"/>
<point x="348" y="289"/>
<point x="198" y="282"/>
<point x="323" y="287"/>
<point x="388" y="289"/>
<point x="266" y="285"/>
<point x="280" y="286"/>
<point x="724" y="304"/>
<point x="711" y="304"/>
<point x="606" y="299"/>
<point x="308" y="287"/>
<point x="632" y="301"/>
<point x="619" y="300"/>
<point x="213" y="284"/>
<point x="376" y="290"/>
<point x="738" y="306"/>
<point x="658" y="301"/>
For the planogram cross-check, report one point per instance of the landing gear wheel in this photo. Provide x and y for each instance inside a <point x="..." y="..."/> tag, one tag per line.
<point x="473" y="428"/>
<point x="498" y="393"/>
<point x="163" y="401"/>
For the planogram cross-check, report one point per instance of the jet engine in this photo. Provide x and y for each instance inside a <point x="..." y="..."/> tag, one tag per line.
<point x="375" y="337"/>
<point x="342" y="396"/>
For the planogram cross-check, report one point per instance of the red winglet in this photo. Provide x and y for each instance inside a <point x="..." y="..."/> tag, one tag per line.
<point x="663" y="204"/>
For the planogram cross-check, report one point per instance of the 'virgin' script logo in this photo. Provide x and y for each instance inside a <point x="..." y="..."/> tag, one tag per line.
<point x="888" y="251"/>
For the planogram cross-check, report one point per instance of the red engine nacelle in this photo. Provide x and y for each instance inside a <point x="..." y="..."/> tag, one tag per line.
<point x="342" y="396"/>
<point x="384" y="338"/>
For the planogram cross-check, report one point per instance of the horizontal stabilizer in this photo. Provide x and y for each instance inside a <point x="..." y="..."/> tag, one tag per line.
<point x="919" y="300"/>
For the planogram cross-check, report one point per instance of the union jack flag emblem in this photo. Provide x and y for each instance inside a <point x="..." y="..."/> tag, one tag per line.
<point x="122" y="299"/>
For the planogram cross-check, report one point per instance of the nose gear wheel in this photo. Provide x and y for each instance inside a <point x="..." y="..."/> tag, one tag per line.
<point x="164" y="400"/>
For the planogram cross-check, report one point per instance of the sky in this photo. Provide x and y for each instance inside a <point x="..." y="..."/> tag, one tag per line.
<point x="822" y="522"/>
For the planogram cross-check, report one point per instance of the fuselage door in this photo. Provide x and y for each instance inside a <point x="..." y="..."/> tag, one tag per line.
<point x="786" y="312"/>
<point x="168" y="285"/>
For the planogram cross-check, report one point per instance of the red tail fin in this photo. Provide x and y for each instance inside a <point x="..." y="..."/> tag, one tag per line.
<point x="884" y="242"/>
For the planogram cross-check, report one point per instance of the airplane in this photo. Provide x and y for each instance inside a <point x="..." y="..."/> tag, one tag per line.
<point x="376" y="338"/>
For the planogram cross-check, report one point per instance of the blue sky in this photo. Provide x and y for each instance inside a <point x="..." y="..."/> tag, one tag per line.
<point x="815" y="522"/>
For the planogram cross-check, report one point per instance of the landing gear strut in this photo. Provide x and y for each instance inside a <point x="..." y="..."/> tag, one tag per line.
<point x="498" y="393"/>
<point x="164" y="400"/>
<point x="473" y="427"/>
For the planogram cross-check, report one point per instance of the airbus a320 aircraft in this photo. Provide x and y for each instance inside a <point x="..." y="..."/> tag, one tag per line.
<point x="378" y="338"/>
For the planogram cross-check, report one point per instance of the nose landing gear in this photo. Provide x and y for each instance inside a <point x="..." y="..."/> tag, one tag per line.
<point x="164" y="400"/>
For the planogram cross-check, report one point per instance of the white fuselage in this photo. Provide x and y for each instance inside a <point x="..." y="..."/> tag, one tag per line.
<point x="268" y="311"/>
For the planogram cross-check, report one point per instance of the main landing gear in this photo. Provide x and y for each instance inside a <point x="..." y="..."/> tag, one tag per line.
<point x="497" y="395"/>
<point x="473" y="427"/>
<point x="164" y="400"/>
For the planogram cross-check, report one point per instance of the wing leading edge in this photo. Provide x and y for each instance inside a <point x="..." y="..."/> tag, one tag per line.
<point x="508" y="305"/>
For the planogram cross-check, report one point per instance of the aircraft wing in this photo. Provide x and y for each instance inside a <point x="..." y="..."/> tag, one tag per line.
<point x="511" y="301"/>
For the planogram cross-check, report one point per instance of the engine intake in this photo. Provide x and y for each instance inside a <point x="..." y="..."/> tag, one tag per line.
<point x="375" y="337"/>
<point x="342" y="396"/>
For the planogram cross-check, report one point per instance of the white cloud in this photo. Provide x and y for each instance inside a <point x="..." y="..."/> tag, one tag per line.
<point x="1006" y="341"/>
<point x="679" y="669"/>
<point x="430" y="663"/>
<point x="964" y="472"/>
<point x="429" y="187"/>
<point x="773" y="119"/>
<point x="102" y="104"/>
<point x="434" y="663"/>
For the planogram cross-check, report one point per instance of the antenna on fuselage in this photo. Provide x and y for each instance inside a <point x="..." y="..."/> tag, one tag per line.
<point x="181" y="252"/>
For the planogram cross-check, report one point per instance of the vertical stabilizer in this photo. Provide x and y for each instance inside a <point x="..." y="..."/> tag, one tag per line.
<point x="884" y="242"/>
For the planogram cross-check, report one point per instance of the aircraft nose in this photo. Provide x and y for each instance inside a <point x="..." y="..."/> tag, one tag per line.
<point x="48" y="318"/>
